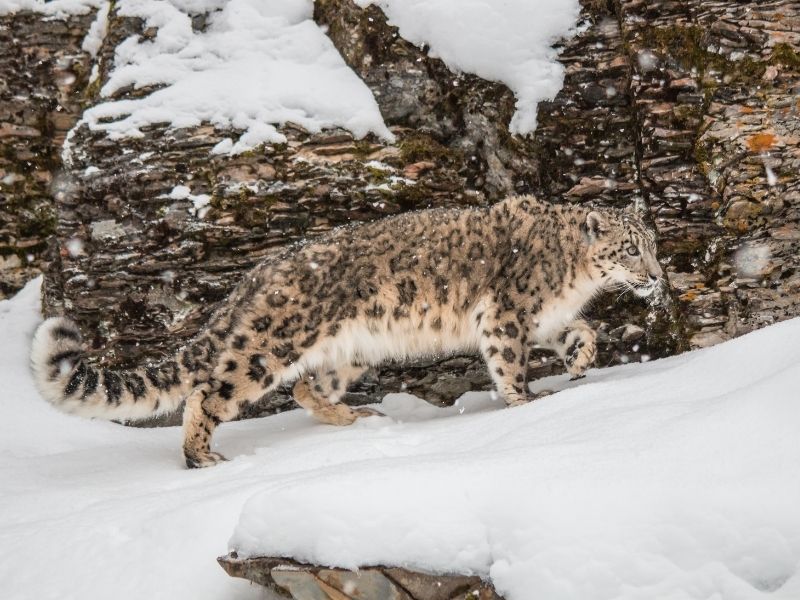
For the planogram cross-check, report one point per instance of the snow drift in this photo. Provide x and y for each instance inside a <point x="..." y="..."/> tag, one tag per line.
<point x="676" y="479"/>
<point x="257" y="64"/>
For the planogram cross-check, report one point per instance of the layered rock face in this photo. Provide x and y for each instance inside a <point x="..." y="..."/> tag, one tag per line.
<point x="687" y="107"/>
<point x="42" y="74"/>
<point x="715" y="90"/>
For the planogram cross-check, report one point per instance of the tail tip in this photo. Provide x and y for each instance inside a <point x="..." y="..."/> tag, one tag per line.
<point x="56" y="349"/>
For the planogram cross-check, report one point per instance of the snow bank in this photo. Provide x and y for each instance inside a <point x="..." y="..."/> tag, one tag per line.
<point x="51" y="8"/>
<point x="509" y="41"/>
<point x="255" y="65"/>
<point x="676" y="479"/>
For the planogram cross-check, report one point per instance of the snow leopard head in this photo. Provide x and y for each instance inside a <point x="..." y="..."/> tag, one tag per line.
<point x="622" y="250"/>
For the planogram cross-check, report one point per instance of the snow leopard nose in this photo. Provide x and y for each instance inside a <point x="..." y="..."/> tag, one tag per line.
<point x="654" y="272"/>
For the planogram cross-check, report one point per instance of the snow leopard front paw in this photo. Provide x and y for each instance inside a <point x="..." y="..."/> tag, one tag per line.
<point x="365" y="411"/>
<point x="518" y="401"/>
<point x="580" y="352"/>
<point x="199" y="460"/>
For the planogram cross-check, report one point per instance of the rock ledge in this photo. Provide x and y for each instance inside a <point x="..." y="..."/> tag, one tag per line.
<point x="287" y="578"/>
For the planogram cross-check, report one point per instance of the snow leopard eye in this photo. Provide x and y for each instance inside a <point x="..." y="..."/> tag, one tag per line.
<point x="633" y="251"/>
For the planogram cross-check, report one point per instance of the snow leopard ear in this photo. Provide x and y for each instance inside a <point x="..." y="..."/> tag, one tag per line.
<point x="596" y="225"/>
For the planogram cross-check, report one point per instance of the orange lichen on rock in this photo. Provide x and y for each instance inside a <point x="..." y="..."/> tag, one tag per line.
<point x="761" y="142"/>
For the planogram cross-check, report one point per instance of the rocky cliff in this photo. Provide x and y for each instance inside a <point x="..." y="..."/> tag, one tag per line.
<point x="689" y="107"/>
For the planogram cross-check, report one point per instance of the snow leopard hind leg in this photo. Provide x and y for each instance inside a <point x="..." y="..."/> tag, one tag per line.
<point x="205" y="409"/>
<point x="505" y="347"/>
<point x="239" y="380"/>
<point x="241" y="376"/>
<point x="320" y="394"/>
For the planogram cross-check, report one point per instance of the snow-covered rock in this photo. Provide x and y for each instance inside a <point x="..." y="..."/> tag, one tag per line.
<point x="51" y="8"/>
<point x="260" y="64"/>
<point x="510" y="41"/>
<point x="255" y="65"/>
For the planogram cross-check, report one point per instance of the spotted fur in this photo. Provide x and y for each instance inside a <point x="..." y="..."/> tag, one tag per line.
<point x="491" y="280"/>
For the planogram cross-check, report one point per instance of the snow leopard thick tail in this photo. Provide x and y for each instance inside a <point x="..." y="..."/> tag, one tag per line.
<point x="67" y="380"/>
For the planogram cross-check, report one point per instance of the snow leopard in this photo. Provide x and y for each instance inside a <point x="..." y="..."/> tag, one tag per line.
<point x="496" y="280"/>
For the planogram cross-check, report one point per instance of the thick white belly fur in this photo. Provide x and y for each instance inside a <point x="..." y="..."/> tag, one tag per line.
<point x="563" y="309"/>
<point x="376" y="342"/>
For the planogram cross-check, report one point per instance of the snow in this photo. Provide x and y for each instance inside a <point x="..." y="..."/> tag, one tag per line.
<point x="256" y="65"/>
<point x="772" y="179"/>
<point x="97" y="33"/>
<point x="260" y="64"/>
<point x="647" y="61"/>
<point x="675" y="479"/>
<point x="200" y="205"/>
<point x="509" y="41"/>
<point x="752" y="259"/>
<point x="51" y="8"/>
<point x="200" y="202"/>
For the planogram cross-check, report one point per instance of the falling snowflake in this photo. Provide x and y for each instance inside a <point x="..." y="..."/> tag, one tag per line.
<point x="74" y="247"/>
<point x="647" y="61"/>
<point x="64" y="367"/>
<point x="752" y="260"/>
<point x="772" y="179"/>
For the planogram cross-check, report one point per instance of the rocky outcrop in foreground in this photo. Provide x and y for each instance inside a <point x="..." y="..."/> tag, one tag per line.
<point x="291" y="579"/>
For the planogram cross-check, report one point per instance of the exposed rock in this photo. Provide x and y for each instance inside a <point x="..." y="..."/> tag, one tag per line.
<point x="291" y="579"/>
<point x="42" y="73"/>
<point x="628" y="333"/>
<point x="725" y="185"/>
<point x="463" y="113"/>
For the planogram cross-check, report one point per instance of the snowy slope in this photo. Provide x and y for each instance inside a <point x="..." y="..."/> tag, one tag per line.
<point x="50" y="8"/>
<point x="676" y="479"/>
<point x="671" y="480"/>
